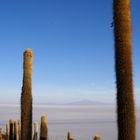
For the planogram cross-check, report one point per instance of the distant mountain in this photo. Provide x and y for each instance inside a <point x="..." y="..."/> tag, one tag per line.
<point x="86" y="102"/>
<point x="80" y="102"/>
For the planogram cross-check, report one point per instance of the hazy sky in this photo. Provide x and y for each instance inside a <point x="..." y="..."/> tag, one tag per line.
<point x="73" y="49"/>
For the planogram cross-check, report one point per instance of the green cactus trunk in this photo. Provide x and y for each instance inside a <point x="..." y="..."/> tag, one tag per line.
<point x="26" y="97"/>
<point x="43" y="129"/>
<point x="123" y="66"/>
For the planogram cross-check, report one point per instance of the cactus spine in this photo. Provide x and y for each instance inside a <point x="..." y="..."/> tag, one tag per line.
<point x="26" y="97"/>
<point x="123" y="66"/>
<point x="43" y="129"/>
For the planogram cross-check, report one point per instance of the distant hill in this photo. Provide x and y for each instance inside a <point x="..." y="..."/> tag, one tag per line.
<point x="86" y="102"/>
<point x="80" y="102"/>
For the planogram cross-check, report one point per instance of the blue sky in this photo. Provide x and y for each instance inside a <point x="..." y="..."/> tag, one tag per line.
<point x="73" y="49"/>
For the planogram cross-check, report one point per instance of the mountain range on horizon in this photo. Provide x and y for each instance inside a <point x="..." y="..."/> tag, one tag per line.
<point x="86" y="102"/>
<point x="79" y="102"/>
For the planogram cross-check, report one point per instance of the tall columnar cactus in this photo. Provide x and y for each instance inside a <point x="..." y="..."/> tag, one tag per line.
<point x="123" y="66"/>
<point x="16" y="135"/>
<point x="7" y="132"/>
<point x="35" y="137"/>
<point x="11" y="135"/>
<point x="97" y="137"/>
<point x="43" y="129"/>
<point x="19" y="129"/>
<point x="68" y="136"/>
<point x="26" y="97"/>
<point x="0" y="133"/>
